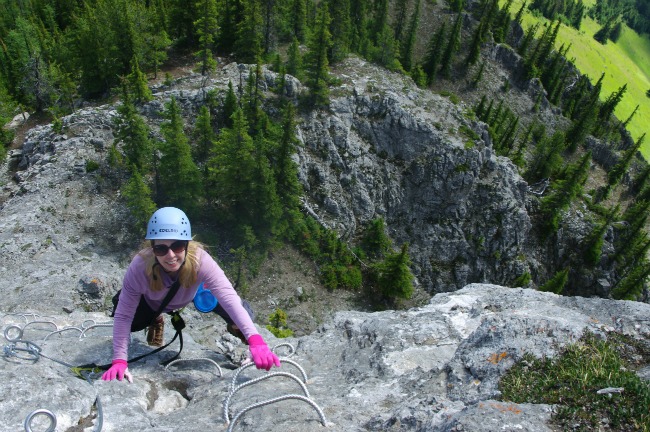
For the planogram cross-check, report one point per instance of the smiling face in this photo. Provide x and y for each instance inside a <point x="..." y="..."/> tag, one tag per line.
<point x="174" y="255"/>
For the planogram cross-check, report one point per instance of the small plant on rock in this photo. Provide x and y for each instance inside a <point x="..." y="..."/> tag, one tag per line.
<point x="278" y="324"/>
<point x="590" y="383"/>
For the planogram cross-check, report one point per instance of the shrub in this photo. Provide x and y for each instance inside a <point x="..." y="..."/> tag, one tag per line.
<point x="91" y="166"/>
<point x="572" y="381"/>
<point x="278" y="324"/>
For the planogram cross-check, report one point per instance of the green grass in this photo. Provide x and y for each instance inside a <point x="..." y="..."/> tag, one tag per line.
<point x="572" y="380"/>
<point x="624" y="62"/>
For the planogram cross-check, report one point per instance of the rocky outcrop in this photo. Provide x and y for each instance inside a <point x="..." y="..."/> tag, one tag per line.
<point x="434" y="368"/>
<point x="388" y="149"/>
<point x="383" y="148"/>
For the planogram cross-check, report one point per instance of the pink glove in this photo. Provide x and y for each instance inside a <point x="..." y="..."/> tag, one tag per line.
<point x="263" y="357"/>
<point x="119" y="369"/>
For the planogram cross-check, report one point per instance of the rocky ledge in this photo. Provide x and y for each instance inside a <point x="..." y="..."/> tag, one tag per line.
<point x="433" y="368"/>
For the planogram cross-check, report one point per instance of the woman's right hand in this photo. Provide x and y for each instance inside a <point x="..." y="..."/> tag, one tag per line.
<point x="119" y="370"/>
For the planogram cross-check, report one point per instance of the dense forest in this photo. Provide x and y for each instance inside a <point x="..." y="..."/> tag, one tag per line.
<point x="235" y="162"/>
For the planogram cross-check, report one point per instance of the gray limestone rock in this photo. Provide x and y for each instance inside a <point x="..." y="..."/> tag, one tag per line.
<point x="433" y="368"/>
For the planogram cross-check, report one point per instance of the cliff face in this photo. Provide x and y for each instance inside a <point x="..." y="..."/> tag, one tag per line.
<point x="384" y="148"/>
<point x="434" y="368"/>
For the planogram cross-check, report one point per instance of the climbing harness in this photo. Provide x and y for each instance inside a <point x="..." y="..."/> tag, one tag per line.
<point x="234" y="388"/>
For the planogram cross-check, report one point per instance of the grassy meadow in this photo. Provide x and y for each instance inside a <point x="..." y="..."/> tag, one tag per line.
<point x="627" y="61"/>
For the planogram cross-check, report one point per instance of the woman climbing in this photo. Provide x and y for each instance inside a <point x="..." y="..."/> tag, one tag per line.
<point x="170" y="270"/>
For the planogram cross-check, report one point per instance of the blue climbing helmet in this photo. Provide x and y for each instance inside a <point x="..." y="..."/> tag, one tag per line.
<point x="169" y="223"/>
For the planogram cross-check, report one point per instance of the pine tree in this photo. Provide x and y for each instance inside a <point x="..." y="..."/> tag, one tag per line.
<point x="379" y="19"/>
<point x="631" y="287"/>
<point x="7" y="107"/>
<point x="252" y="100"/>
<point x="479" y="75"/>
<point x="640" y="181"/>
<point x="593" y="243"/>
<point x="294" y="60"/>
<point x="316" y="62"/>
<point x="502" y="23"/>
<point x="578" y="14"/>
<point x="615" y="175"/>
<point x="394" y="277"/>
<point x="479" y="110"/>
<point x="557" y="283"/>
<point x="607" y="108"/>
<point x="518" y="155"/>
<point x="529" y="36"/>
<point x="487" y="115"/>
<point x="399" y="23"/>
<point x="386" y="50"/>
<point x="138" y="200"/>
<point x="359" y="23"/>
<point x="230" y="16"/>
<point x="507" y="139"/>
<point x="298" y="20"/>
<point x="419" y="76"/>
<point x="269" y="18"/>
<point x="97" y="51"/>
<point x="520" y="13"/>
<point x="635" y="217"/>
<point x="474" y="52"/>
<point x="133" y="133"/>
<point x="182" y="15"/>
<point x="206" y="27"/>
<point x="249" y="43"/>
<point x="340" y="30"/>
<point x="156" y="40"/>
<point x="452" y="47"/>
<point x="603" y="34"/>
<point x="375" y="241"/>
<point x="286" y="170"/>
<point x="488" y="13"/>
<point x="138" y="86"/>
<point x="630" y="117"/>
<point x="411" y="37"/>
<point x="25" y="64"/>
<point x="586" y="118"/>
<point x="265" y="196"/>
<point x="616" y="32"/>
<point x="203" y="136"/>
<point x="563" y="192"/>
<point x="179" y="179"/>
<point x="434" y="52"/>
<point x="232" y="173"/>
<point x="230" y="105"/>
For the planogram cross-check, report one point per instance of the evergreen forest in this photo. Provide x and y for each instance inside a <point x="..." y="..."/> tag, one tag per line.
<point x="234" y="163"/>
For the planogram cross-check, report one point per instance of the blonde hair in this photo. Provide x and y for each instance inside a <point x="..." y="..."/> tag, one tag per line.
<point x="188" y="273"/>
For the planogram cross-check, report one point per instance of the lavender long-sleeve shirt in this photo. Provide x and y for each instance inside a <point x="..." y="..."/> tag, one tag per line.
<point x="136" y="284"/>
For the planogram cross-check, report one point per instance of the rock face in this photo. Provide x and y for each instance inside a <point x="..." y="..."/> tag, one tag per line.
<point x="387" y="149"/>
<point x="383" y="148"/>
<point x="434" y="368"/>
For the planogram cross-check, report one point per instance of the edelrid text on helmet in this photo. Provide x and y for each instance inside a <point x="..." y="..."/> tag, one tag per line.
<point x="169" y="223"/>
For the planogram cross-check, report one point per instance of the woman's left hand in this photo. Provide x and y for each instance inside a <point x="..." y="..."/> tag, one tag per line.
<point x="263" y="357"/>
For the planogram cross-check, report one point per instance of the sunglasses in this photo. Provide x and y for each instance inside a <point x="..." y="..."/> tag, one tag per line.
<point x="176" y="247"/>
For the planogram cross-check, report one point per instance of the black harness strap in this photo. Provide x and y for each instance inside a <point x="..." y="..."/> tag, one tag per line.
<point x="177" y="322"/>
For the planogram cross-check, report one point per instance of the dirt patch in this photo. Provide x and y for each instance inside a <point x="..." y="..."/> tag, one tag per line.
<point x="289" y="281"/>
